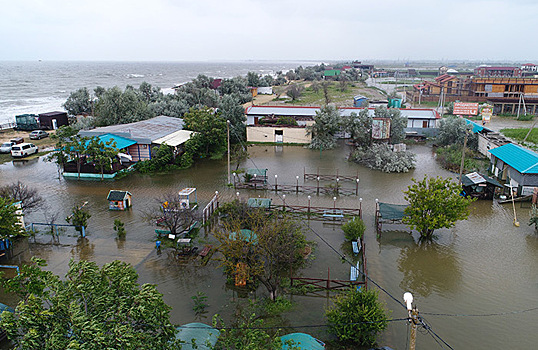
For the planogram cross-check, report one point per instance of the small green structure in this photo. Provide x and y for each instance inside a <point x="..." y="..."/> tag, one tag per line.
<point x="27" y="122"/>
<point x="256" y="175"/>
<point x="244" y="234"/>
<point x="331" y="73"/>
<point x="264" y="203"/>
<point x="301" y="341"/>
<point x="202" y="336"/>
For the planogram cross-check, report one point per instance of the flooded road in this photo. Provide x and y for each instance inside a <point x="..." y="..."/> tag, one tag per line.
<point x="482" y="266"/>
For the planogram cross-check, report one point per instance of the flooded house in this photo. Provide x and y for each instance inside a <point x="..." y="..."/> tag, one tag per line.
<point x="516" y="167"/>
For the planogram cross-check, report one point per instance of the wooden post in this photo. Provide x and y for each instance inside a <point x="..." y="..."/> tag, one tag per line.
<point x="328" y="278"/>
<point x="318" y="186"/>
<point x="413" y="315"/>
<point x="297" y="184"/>
<point x="276" y="183"/>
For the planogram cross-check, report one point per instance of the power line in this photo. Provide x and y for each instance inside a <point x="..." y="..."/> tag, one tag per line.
<point x="482" y="315"/>
<point x="303" y="326"/>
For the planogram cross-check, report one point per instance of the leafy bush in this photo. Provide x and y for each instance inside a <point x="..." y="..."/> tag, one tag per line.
<point x="452" y="131"/>
<point x="354" y="229"/>
<point x="163" y="160"/>
<point x="450" y="158"/>
<point x="381" y="157"/>
<point x="357" y="317"/>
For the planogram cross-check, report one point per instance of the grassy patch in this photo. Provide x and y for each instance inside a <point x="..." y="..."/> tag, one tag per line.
<point x="519" y="134"/>
<point x="336" y="95"/>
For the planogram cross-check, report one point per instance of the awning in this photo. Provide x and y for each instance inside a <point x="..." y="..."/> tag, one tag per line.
<point x="175" y="139"/>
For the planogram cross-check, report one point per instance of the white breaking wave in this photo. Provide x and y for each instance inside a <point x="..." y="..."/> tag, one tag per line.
<point x="8" y="109"/>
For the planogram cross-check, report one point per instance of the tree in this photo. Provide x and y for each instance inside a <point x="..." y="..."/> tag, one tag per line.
<point x="114" y="106"/>
<point x="101" y="153"/>
<point x="91" y="308"/>
<point x="19" y="192"/>
<point x="79" y="217"/>
<point x="230" y="109"/>
<point x="253" y="79"/>
<point x="452" y="131"/>
<point x="397" y="122"/>
<point x="272" y="249"/>
<point x="434" y="203"/>
<point x="210" y="137"/>
<point x="357" y="317"/>
<point x="9" y="219"/>
<point x="170" y="213"/>
<point x="360" y="127"/>
<point x="326" y="125"/>
<point x="380" y="156"/>
<point x="354" y="229"/>
<point x="325" y="86"/>
<point x="78" y="102"/>
<point x="294" y="91"/>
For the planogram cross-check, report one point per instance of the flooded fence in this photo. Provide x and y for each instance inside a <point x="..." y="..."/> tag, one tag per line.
<point x="321" y="175"/>
<point x="54" y="227"/>
<point x="210" y="208"/>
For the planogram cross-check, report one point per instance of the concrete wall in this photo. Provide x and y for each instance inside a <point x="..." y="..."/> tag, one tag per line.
<point x="485" y="144"/>
<point x="267" y="134"/>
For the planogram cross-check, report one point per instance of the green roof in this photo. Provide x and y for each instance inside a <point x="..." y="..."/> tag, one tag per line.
<point x="392" y="211"/>
<point x="523" y="160"/>
<point x="331" y="72"/>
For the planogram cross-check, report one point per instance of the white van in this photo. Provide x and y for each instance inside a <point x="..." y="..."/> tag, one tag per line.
<point x="23" y="149"/>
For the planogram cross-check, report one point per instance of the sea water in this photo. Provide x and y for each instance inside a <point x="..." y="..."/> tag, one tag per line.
<point x="43" y="86"/>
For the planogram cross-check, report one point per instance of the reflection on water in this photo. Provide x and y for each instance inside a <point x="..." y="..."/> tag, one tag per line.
<point x="482" y="265"/>
<point x="429" y="267"/>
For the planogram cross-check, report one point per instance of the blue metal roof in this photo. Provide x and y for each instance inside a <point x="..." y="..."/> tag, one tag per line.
<point x="121" y="142"/>
<point x="302" y="341"/>
<point x="476" y="127"/>
<point x="523" y="160"/>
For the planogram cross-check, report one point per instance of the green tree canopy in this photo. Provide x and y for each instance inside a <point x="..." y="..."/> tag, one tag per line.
<point x="326" y="125"/>
<point x="91" y="308"/>
<point x="210" y="137"/>
<point x="230" y="109"/>
<point x="78" y="102"/>
<point x="361" y="308"/>
<point x="452" y="132"/>
<point x="115" y="106"/>
<point x="9" y="219"/>
<point x="273" y="249"/>
<point x="434" y="203"/>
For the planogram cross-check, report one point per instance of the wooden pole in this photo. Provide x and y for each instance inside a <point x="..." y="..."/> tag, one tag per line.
<point x="413" y="314"/>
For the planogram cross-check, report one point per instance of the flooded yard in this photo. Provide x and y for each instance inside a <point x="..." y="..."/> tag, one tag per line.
<point x="484" y="265"/>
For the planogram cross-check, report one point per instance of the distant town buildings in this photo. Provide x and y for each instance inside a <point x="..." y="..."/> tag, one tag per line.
<point x="506" y="88"/>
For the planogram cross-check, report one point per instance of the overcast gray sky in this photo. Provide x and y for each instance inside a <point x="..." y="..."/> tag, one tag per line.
<point x="200" y="30"/>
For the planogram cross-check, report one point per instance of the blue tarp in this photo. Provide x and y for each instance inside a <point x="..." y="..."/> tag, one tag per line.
<point x="476" y="127"/>
<point x="302" y="341"/>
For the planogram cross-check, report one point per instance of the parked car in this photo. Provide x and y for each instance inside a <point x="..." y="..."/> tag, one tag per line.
<point x="23" y="149"/>
<point x="6" y="147"/>
<point x="38" y="135"/>
<point x="17" y="140"/>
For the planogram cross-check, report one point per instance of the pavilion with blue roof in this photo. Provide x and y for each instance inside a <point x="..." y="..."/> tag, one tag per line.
<point x="516" y="166"/>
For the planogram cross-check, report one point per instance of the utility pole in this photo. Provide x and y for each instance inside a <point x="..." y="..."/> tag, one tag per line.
<point x="463" y="155"/>
<point x="228" y="133"/>
<point x="413" y="319"/>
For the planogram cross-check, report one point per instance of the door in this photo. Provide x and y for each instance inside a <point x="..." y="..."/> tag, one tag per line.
<point x="54" y="124"/>
<point x="279" y="136"/>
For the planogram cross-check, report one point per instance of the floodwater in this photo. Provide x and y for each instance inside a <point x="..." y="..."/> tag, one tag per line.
<point x="483" y="265"/>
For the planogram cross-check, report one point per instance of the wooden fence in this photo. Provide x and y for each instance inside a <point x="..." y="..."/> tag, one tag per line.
<point x="210" y="208"/>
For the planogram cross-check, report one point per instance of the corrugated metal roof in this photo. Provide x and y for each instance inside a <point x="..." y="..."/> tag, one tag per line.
<point x="477" y="127"/>
<point x="151" y="129"/>
<point x="523" y="160"/>
<point x="410" y="113"/>
<point x="175" y="139"/>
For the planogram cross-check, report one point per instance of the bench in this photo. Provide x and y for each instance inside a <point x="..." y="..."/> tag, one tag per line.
<point x="334" y="213"/>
